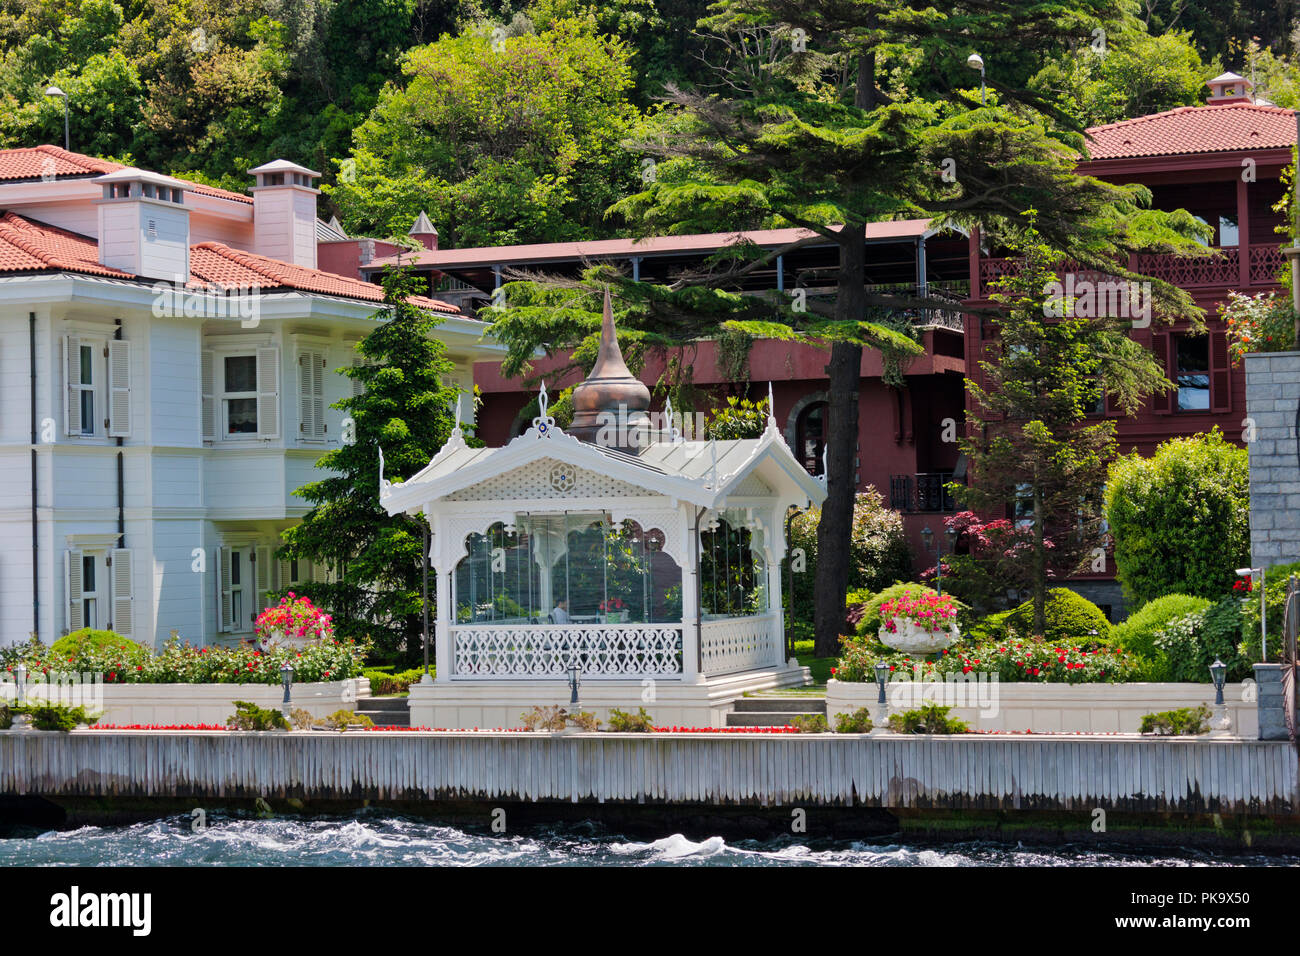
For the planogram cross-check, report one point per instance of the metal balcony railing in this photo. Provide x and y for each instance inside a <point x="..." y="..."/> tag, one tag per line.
<point x="922" y="492"/>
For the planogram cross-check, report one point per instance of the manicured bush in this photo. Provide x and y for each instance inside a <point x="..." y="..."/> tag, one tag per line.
<point x="1138" y="633"/>
<point x="1180" y="519"/>
<point x="622" y="722"/>
<point x="1070" y="618"/>
<point x="878" y="552"/>
<point x="927" y="719"/>
<point x="858" y="722"/>
<point x="992" y="627"/>
<point x="87" y="639"/>
<point x="249" y="716"/>
<point x="1186" y="721"/>
<point x="384" y="684"/>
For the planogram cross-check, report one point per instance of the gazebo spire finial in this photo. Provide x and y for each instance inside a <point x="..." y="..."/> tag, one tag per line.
<point x="771" y="410"/>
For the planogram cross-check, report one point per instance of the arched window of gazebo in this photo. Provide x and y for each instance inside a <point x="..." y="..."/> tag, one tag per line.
<point x="583" y="567"/>
<point x="733" y="574"/>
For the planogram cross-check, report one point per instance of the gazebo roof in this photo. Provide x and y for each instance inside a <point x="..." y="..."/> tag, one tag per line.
<point x="705" y="473"/>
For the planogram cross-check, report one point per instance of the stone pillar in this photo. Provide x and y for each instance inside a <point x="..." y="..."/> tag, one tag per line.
<point x="1271" y="703"/>
<point x="1272" y="410"/>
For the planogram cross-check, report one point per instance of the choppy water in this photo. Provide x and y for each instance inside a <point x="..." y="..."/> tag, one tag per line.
<point x="377" y="838"/>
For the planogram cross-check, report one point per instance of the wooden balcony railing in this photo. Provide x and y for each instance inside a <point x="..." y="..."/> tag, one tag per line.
<point x="1222" y="271"/>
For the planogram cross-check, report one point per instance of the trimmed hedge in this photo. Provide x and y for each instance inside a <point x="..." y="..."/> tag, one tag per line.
<point x="1070" y="619"/>
<point x="89" y="639"/>
<point x="1137" y="634"/>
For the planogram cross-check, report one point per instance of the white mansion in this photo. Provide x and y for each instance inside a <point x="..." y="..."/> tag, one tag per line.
<point x="168" y="356"/>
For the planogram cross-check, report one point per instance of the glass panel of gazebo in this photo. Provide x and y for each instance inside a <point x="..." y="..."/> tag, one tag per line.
<point x="733" y="575"/>
<point x="576" y="569"/>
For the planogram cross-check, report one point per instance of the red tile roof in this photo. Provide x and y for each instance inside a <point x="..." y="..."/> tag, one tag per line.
<point x="1195" y="129"/>
<point x="30" y="246"/>
<point x="694" y="242"/>
<point x="38" y="161"/>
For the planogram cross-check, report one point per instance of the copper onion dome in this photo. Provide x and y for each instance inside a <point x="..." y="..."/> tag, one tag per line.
<point x="611" y="400"/>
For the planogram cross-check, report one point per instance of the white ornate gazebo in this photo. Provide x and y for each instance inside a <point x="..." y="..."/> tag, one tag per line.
<point x="654" y="569"/>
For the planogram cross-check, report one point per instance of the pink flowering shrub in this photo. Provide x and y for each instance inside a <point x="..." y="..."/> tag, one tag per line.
<point x="295" y="617"/>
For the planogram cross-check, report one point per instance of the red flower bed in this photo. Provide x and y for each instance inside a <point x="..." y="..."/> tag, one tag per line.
<point x="160" y="727"/>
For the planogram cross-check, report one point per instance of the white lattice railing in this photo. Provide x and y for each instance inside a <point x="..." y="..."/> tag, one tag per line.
<point x="533" y="652"/>
<point x="740" y="643"/>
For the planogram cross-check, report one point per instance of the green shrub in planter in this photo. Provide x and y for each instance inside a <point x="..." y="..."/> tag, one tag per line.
<point x="1184" y="722"/>
<point x="341" y="720"/>
<point x="858" y="722"/>
<point x="1070" y="619"/>
<point x="56" y="716"/>
<point x="1137" y="634"/>
<point x="927" y="719"/>
<point x="622" y="722"/>
<point x="249" y="716"/>
<point x="810" y="724"/>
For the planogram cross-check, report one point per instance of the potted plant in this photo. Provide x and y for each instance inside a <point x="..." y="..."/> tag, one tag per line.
<point x="614" y="610"/>
<point x="919" y="622"/>
<point x="294" y="622"/>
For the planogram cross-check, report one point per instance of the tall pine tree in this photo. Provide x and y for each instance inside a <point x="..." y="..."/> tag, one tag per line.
<point x="407" y="409"/>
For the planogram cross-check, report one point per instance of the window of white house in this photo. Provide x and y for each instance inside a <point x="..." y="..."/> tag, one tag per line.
<point x="1192" y="372"/>
<point x="90" y="596"/>
<point x="86" y="388"/>
<point x="239" y="394"/>
<point x="1229" y="235"/>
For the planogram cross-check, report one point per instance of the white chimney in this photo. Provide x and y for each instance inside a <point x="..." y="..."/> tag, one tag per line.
<point x="284" y="212"/>
<point x="144" y="225"/>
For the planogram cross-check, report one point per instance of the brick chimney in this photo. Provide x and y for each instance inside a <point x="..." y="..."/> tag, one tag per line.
<point x="424" y="232"/>
<point x="144" y="225"/>
<point x="1229" y="88"/>
<point x="284" y="212"/>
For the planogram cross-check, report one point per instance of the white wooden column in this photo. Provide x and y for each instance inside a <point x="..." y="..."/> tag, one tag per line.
<point x="690" y="598"/>
<point x="774" y="551"/>
<point x="439" y="554"/>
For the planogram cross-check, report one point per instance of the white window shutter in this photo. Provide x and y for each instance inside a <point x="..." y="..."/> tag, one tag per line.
<point x="72" y="394"/>
<point x="262" y="557"/>
<point x="72" y="588"/>
<point x="268" y="392"/>
<point x="123" y="594"/>
<point x="224" y="612"/>
<point x="208" y="394"/>
<point x="119" y="389"/>
<point x="311" y="395"/>
<point x="285" y="578"/>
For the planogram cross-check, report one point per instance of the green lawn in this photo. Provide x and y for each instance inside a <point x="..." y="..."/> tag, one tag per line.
<point x="820" y="666"/>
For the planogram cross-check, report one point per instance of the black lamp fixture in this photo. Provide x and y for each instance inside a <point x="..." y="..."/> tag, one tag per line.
<point x="573" y="685"/>
<point x="286" y="678"/>
<point x="1218" y="673"/>
<point x="882" y="677"/>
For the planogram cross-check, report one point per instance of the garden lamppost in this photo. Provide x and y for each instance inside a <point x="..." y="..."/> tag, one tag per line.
<point x="573" y="685"/>
<point x="931" y="544"/>
<point x="55" y="91"/>
<point x="880" y="722"/>
<point x="976" y="62"/>
<point x="1220" y="723"/>
<point x="286" y="678"/>
<point x="1263" y="610"/>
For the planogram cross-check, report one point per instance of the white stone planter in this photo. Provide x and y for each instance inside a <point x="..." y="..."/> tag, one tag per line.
<point x="911" y="638"/>
<point x="1046" y="708"/>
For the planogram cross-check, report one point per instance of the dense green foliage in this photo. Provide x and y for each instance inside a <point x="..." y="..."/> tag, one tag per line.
<point x="1275" y="581"/>
<point x="1138" y="632"/>
<point x="1180" y="519"/>
<point x="1188" y="645"/>
<point x="50" y="716"/>
<point x="407" y="411"/>
<point x="878" y="552"/>
<point x="1070" y="618"/>
<point x="857" y="722"/>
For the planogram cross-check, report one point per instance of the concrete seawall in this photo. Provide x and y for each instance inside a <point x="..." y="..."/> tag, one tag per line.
<point x="1039" y="772"/>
